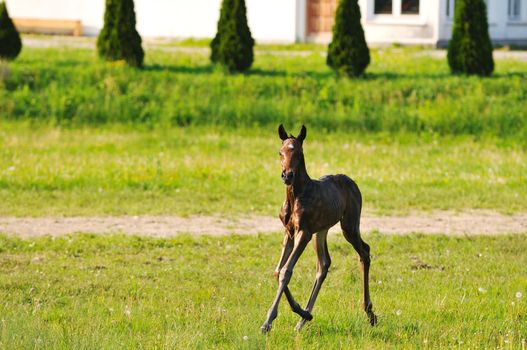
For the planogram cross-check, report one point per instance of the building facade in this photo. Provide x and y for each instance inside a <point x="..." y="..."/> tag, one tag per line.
<point x="385" y="21"/>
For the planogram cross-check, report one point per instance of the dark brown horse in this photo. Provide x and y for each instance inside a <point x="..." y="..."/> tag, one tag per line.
<point x="312" y="207"/>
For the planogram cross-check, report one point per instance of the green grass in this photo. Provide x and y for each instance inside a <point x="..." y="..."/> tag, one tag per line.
<point x="205" y="43"/>
<point x="86" y="292"/>
<point x="79" y="136"/>
<point x="196" y="170"/>
<point x="405" y="91"/>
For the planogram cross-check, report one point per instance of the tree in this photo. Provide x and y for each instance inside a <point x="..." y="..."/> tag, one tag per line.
<point x="119" y="40"/>
<point x="470" y="49"/>
<point x="348" y="52"/>
<point x="10" y="43"/>
<point x="233" y="45"/>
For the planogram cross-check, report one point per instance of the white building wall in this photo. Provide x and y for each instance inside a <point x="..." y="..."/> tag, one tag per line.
<point x="176" y="18"/>
<point x="394" y="28"/>
<point x="269" y="20"/>
<point x="501" y="27"/>
<point x="274" y="20"/>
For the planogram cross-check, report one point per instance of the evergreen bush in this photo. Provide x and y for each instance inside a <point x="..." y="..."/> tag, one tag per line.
<point x="10" y="43"/>
<point x="470" y="49"/>
<point x="348" y="52"/>
<point x="233" y="45"/>
<point x="119" y="39"/>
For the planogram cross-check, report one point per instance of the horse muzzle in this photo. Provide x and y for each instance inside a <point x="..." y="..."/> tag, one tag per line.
<point x="288" y="177"/>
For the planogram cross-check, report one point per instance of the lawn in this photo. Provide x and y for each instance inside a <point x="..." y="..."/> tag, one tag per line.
<point x="79" y="136"/>
<point x="117" y="170"/>
<point x="83" y="137"/>
<point x="86" y="292"/>
<point x="405" y="90"/>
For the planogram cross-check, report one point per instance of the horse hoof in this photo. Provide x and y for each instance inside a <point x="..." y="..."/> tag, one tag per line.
<point x="300" y="325"/>
<point x="266" y="328"/>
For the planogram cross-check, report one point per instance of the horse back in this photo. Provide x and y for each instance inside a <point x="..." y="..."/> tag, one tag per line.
<point x="328" y="199"/>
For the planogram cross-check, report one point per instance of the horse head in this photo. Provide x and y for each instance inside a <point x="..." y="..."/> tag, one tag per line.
<point x="291" y="154"/>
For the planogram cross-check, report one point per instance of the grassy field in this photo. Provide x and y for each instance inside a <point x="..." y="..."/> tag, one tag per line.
<point x="79" y="136"/>
<point x="86" y="292"/>
<point x="405" y="91"/>
<point x="195" y="170"/>
<point x="82" y="137"/>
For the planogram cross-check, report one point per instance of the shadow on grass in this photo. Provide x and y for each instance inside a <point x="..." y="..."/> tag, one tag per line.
<point x="208" y="69"/>
<point x="401" y="76"/>
<point x="317" y="75"/>
<point x="322" y="75"/>
<point x="438" y="76"/>
<point x="520" y="74"/>
<point x="282" y="73"/>
<point x="73" y="63"/>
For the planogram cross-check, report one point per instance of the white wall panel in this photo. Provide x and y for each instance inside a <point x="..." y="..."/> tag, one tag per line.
<point x="269" y="20"/>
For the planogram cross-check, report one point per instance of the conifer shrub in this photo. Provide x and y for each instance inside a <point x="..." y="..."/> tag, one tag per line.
<point x="233" y="45"/>
<point x="119" y="39"/>
<point x="10" y="43"/>
<point x="348" y="52"/>
<point x="470" y="49"/>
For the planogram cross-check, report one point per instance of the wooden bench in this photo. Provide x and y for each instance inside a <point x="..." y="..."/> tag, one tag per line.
<point x="48" y="26"/>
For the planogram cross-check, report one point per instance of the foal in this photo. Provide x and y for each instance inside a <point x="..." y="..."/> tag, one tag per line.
<point x="312" y="207"/>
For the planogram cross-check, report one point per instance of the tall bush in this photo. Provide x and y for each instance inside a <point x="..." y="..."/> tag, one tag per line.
<point x="119" y="39"/>
<point x="470" y="49"/>
<point x="348" y="52"/>
<point x="233" y="45"/>
<point x="10" y="43"/>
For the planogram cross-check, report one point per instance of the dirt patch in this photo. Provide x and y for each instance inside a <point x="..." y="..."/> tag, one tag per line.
<point x="450" y="223"/>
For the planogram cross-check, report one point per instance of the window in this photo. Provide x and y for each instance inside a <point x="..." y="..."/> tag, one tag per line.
<point x="383" y="7"/>
<point x="514" y="10"/>
<point x="410" y="7"/>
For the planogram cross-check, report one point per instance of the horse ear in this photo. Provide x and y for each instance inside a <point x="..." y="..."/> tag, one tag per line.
<point x="282" y="133"/>
<point x="302" y="136"/>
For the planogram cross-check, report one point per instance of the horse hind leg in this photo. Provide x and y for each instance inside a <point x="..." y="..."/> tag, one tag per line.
<point x="350" y="228"/>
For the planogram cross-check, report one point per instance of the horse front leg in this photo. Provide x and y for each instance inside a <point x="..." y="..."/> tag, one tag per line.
<point x="323" y="263"/>
<point x="301" y="240"/>
<point x="287" y="248"/>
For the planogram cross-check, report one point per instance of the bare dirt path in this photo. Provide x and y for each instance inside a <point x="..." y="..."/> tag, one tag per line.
<point x="450" y="223"/>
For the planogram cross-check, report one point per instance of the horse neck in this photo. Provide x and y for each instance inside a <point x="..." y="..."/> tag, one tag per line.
<point x="302" y="179"/>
